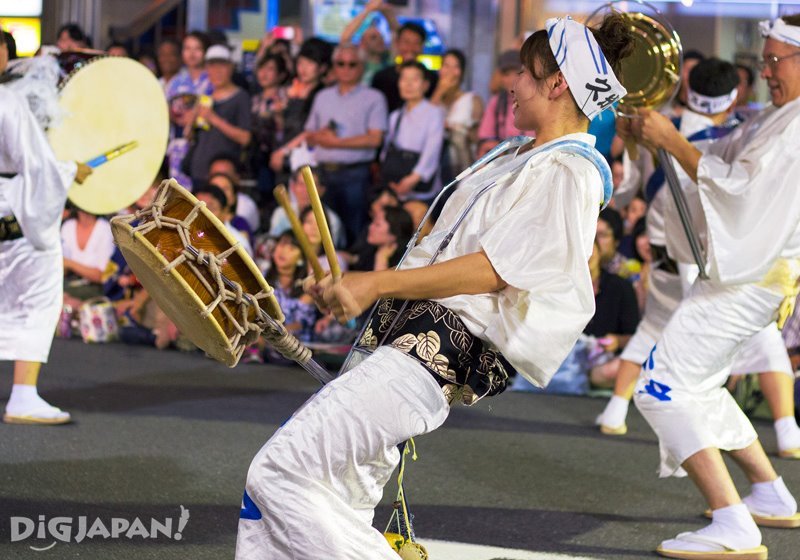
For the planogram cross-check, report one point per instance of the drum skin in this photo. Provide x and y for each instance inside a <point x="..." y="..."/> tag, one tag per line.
<point x="108" y="102"/>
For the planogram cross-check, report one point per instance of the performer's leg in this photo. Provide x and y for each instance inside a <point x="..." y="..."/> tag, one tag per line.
<point x="663" y="297"/>
<point x="25" y="406"/>
<point x="29" y="308"/>
<point x="612" y="419"/>
<point x="26" y="373"/>
<point x="312" y="489"/>
<point x="778" y="389"/>
<point x="680" y="393"/>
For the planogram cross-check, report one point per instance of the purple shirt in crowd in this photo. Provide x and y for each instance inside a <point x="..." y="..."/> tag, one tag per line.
<point x="421" y="130"/>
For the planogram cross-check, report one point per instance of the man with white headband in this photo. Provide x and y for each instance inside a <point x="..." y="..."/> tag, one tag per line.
<point x="469" y="303"/>
<point x="711" y="98"/>
<point x="748" y="204"/>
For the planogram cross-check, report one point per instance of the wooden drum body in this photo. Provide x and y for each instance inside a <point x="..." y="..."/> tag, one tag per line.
<point x="197" y="273"/>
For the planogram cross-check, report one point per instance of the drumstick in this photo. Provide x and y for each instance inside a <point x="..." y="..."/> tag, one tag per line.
<point x="111" y="154"/>
<point x="282" y="196"/>
<point x="322" y="222"/>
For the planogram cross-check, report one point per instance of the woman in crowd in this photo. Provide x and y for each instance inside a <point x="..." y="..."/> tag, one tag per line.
<point x="184" y="91"/>
<point x="413" y="145"/>
<point x="268" y="106"/>
<point x="389" y="233"/>
<point x="464" y="111"/>
<point x="88" y="245"/>
<point x="312" y="64"/>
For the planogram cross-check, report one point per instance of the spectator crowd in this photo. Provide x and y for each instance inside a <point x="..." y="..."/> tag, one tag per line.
<point x="382" y="133"/>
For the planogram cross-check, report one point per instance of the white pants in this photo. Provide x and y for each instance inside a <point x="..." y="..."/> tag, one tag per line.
<point x="680" y="389"/>
<point x="764" y="351"/>
<point x="31" y="296"/>
<point x="315" y="484"/>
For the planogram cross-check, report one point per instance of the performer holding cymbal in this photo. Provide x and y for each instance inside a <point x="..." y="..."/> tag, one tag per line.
<point x="747" y="187"/>
<point x="452" y="329"/>
<point x="32" y="195"/>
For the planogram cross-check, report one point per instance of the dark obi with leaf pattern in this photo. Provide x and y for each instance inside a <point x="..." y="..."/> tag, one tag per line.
<point x="437" y="338"/>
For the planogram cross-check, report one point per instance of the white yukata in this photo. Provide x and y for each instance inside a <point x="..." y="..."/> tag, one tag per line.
<point x="312" y="489"/>
<point x="765" y="351"/>
<point x="31" y="268"/>
<point x="750" y="210"/>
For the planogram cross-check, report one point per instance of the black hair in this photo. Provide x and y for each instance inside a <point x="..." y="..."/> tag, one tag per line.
<point x="75" y="33"/>
<point x="272" y="277"/>
<point x="200" y="36"/>
<point x="614" y="37"/>
<point x="459" y="56"/>
<point x="401" y="225"/>
<point x="713" y="77"/>
<point x="118" y="45"/>
<point x="317" y="50"/>
<point x="11" y="45"/>
<point x="3" y="38"/>
<point x="414" y="64"/>
<point x="693" y="54"/>
<point x="415" y="28"/>
<point x="280" y="64"/>
<point x="214" y="191"/>
<point x="230" y="158"/>
<point x="639" y="228"/>
<point x="217" y="37"/>
<point x="614" y="221"/>
<point x="751" y="76"/>
<point x="793" y="19"/>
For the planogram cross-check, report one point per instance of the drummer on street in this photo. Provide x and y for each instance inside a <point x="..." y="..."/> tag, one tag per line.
<point x="33" y="190"/>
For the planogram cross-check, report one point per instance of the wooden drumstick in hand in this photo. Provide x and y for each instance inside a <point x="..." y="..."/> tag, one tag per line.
<point x="282" y="196"/>
<point x="322" y="222"/>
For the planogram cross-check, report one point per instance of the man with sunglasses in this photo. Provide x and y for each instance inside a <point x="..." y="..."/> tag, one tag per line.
<point x="746" y="196"/>
<point x="346" y="126"/>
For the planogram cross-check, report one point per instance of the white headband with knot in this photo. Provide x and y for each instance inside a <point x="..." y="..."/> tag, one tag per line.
<point x="586" y="69"/>
<point x="780" y="31"/>
<point x="707" y="105"/>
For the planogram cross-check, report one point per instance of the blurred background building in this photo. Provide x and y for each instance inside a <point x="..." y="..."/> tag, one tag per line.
<point x="481" y="28"/>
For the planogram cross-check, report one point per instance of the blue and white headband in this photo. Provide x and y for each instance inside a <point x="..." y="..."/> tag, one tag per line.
<point x="780" y="31"/>
<point x="706" y="105"/>
<point x="589" y="75"/>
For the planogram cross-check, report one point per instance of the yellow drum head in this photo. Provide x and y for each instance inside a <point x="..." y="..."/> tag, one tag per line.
<point x="108" y="103"/>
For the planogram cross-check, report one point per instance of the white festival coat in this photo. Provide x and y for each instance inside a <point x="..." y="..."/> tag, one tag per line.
<point x="747" y="199"/>
<point x="537" y="227"/>
<point x="36" y="195"/>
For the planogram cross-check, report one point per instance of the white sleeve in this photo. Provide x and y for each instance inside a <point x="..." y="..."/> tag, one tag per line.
<point x="751" y="202"/>
<point x="37" y="193"/>
<point x="541" y="249"/>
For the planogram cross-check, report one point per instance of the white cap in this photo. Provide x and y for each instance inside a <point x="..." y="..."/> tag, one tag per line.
<point x="219" y="53"/>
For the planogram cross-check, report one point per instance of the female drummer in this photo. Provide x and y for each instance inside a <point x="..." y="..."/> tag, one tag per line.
<point x="511" y="290"/>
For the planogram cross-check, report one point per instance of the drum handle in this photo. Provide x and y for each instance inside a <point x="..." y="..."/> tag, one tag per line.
<point x="310" y="365"/>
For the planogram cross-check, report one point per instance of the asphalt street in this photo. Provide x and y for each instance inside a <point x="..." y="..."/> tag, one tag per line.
<point x="164" y="437"/>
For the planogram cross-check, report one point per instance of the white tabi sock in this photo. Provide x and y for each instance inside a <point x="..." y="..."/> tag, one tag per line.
<point x="788" y="433"/>
<point x="732" y="527"/>
<point x="615" y="412"/>
<point x="771" y="499"/>
<point x="24" y="399"/>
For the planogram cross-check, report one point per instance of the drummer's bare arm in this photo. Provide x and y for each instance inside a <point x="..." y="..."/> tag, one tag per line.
<point x="657" y="131"/>
<point x="470" y="274"/>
